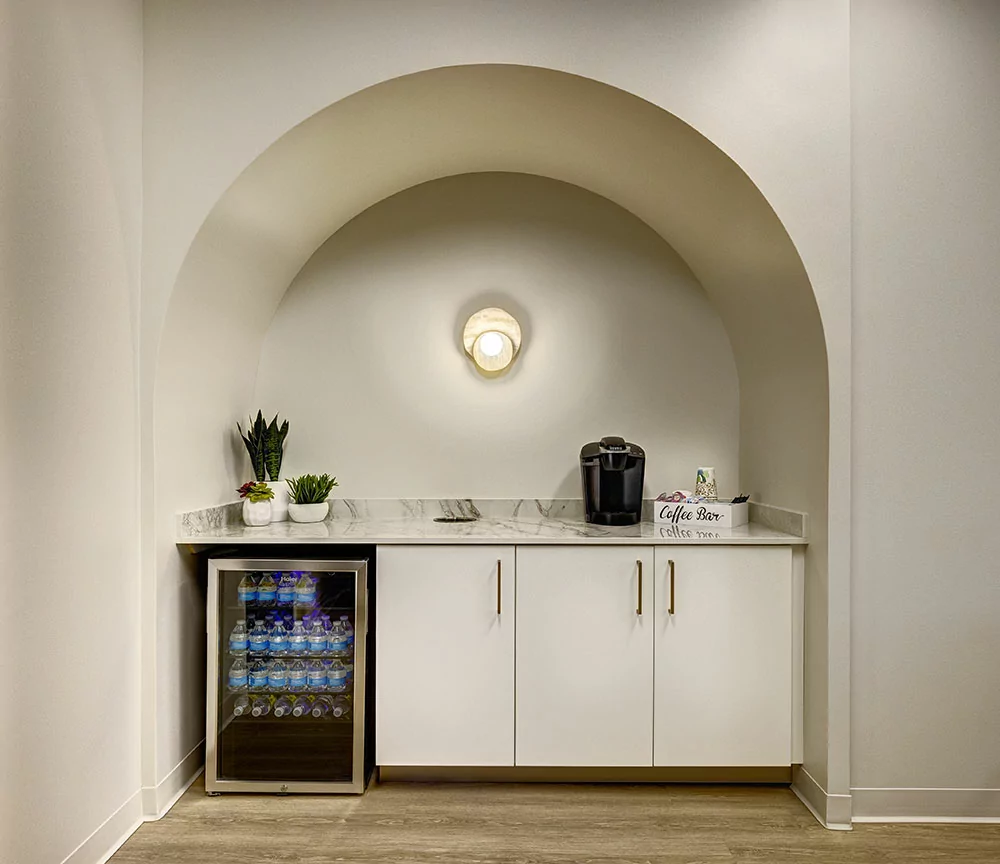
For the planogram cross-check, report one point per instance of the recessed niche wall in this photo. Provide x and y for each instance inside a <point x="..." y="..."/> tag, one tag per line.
<point x="364" y="352"/>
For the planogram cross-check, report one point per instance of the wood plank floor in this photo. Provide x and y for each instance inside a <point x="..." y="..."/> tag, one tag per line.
<point x="533" y="824"/>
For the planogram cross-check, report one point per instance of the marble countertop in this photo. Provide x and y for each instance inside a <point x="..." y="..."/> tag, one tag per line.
<point x="522" y="522"/>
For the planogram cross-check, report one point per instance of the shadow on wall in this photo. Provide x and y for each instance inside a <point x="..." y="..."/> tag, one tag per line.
<point x="608" y="307"/>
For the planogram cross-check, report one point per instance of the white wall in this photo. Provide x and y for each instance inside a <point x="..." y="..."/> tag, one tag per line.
<point x="70" y="224"/>
<point x="927" y="398"/>
<point x="767" y="82"/>
<point x="364" y="354"/>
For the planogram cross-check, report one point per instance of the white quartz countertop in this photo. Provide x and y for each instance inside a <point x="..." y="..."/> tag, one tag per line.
<point x="524" y="525"/>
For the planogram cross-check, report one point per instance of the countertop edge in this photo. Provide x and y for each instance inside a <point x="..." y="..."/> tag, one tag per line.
<point x="208" y="541"/>
<point x="504" y="522"/>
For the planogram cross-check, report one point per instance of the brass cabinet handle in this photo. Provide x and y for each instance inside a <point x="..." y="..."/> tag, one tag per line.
<point x="670" y="608"/>
<point x="638" y="608"/>
<point x="498" y="585"/>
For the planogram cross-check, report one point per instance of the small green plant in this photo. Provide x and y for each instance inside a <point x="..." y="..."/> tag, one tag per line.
<point x="310" y="489"/>
<point x="265" y="444"/>
<point x="256" y="492"/>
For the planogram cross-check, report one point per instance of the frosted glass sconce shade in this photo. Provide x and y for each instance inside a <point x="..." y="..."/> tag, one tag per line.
<point x="492" y="338"/>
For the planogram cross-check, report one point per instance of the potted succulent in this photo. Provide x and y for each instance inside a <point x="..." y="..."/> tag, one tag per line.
<point x="265" y="445"/>
<point x="256" y="503"/>
<point x="309" y="494"/>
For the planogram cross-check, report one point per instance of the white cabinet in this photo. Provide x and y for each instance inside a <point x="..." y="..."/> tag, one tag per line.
<point x="584" y="656"/>
<point x="723" y="657"/>
<point x="445" y="655"/>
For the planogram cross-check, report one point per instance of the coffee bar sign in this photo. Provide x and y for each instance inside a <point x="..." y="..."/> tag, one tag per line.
<point x="704" y="514"/>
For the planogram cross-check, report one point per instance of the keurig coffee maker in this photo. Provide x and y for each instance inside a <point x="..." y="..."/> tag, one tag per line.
<point x="613" y="472"/>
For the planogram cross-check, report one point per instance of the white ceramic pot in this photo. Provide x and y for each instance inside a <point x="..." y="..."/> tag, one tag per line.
<point x="256" y="513"/>
<point x="308" y="512"/>
<point x="279" y="503"/>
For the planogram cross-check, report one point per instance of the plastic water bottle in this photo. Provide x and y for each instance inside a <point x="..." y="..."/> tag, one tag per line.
<point x="336" y="676"/>
<point x="259" y="674"/>
<point x="246" y="591"/>
<point x="305" y="591"/>
<point x="298" y="642"/>
<point x="316" y="675"/>
<point x="238" y="638"/>
<point x="277" y="640"/>
<point x="336" y="639"/>
<point x="238" y="675"/>
<point x="317" y="638"/>
<point x="300" y="706"/>
<point x="242" y="706"/>
<point x="260" y="707"/>
<point x="277" y="676"/>
<point x="348" y="629"/>
<point x="297" y="676"/>
<point x="267" y="590"/>
<point x="258" y="640"/>
<point x="341" y="707"/>
<point x="349" y="666"/>
<point x="320" y="707"/>
<point x="282" y="706"/>
<point x="286" y="590"/>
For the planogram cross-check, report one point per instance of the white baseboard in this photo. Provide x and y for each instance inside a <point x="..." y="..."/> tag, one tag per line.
<point x="146" y="805"/>
<point x="157" y="800"/>
<point x="831" y="811"/>
<point x="926" y="805"/>
<point x="110" y="836"/>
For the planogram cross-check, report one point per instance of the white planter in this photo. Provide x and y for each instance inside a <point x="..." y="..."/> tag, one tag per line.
<point x="279" y="503"/>
<point x="256" y="513"/>
<point x="308" y="512"/>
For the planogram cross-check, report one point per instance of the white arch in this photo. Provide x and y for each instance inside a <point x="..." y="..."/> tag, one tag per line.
<point x="463" y="119"/>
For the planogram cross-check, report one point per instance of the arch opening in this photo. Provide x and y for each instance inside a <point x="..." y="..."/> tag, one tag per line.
<point x="470" y="120"/>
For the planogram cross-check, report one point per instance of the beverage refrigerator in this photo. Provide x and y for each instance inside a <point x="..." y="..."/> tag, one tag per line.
<point x="287" y="687"/>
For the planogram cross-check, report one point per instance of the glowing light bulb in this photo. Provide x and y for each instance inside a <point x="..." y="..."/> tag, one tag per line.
<point x="491" y="338"/>
<point x="491" y="343"/>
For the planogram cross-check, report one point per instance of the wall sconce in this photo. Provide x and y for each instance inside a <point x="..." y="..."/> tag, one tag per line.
<point x="492" y="338"/>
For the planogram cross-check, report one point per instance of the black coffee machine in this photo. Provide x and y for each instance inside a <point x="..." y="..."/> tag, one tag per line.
<point x="613" y="472"/>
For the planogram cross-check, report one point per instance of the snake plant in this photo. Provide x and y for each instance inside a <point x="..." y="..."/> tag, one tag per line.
<point x="255" y="440"/>
<point x="264" y="442"/>
<point x="274" y="441"/>
<point x="310" y="489"/>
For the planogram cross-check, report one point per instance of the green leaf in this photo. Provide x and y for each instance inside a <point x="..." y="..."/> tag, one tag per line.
<point x="274" y="442"/>
<point x="310" y="489"/>
<point x="260" y="492"/>
<point x="254" y="442"/>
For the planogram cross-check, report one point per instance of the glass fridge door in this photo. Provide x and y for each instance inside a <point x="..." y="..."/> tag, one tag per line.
<point x="286" y="676"/>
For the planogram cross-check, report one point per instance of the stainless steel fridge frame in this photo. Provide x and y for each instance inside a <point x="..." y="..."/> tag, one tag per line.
<point x="360" y="569"/>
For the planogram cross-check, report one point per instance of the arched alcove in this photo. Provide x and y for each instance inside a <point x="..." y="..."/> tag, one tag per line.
<point x="365" y="351"/>
<point x="471" y="119"/>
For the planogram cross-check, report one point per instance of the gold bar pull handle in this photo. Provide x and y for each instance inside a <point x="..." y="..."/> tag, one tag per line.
<point x="670" y="608"/>
<point x="638" y="608"/>
<point x="498" y="585"/>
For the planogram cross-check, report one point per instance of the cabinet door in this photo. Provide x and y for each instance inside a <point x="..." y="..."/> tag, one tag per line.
<point x="584" y="656"/>
<point x="724" y="657"/>
<point x="444" y="655"/>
